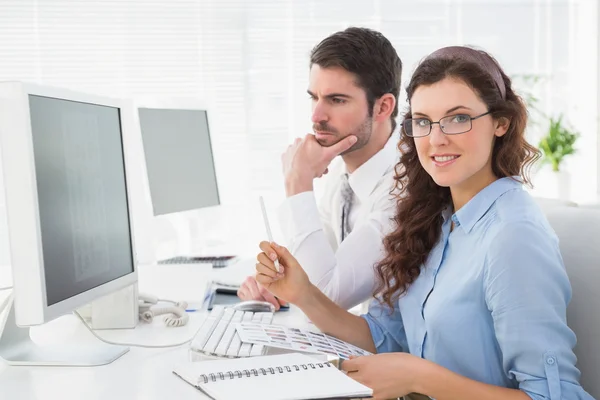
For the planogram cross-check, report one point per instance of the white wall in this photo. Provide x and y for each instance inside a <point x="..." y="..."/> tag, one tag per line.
<point x="576" y="96"/>
<point x="249" y="61"/>
<point x="598" y="101"/>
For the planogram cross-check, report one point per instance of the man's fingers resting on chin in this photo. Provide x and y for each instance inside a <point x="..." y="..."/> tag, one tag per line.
<point x="341" y="146"/>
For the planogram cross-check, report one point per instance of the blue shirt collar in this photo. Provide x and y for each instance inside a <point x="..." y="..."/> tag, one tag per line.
<point x="476" y="208"/>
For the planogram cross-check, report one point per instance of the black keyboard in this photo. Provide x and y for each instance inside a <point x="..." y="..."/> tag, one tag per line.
<point x="216" y="261"/>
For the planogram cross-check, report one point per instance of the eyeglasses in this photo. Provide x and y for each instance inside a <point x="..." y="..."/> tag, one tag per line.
<point x="450" y="125"/>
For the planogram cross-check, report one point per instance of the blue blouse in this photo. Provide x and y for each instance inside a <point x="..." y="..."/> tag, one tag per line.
<point x="490" y="302"/>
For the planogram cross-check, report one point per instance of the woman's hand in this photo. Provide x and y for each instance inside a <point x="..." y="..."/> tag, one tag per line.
<point x="289" y="284"/>
<point x="390" y="375"/>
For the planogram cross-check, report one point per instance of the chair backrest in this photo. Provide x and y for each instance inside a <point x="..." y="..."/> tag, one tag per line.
<point x="578" y="230"/>
<point x="547" y="203"/>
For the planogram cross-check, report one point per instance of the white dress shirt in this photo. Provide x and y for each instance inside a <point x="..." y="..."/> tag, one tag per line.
<point x="343" y="271"/>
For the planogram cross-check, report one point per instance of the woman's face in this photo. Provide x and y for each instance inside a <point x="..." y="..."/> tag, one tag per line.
<point x="461" y="160"/>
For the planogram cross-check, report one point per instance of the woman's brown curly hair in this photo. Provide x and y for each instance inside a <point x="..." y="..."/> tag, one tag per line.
<point x="421" y="201"/>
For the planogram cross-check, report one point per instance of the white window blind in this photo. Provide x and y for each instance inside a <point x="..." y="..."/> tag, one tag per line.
<point x="249" y="62"/>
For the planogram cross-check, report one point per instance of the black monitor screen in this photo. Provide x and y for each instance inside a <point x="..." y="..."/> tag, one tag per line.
<point x="179" y="159"/>
<point x="82" y="196"/>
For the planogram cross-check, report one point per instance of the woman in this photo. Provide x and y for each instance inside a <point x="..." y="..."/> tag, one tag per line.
<point x="473" y="291"/>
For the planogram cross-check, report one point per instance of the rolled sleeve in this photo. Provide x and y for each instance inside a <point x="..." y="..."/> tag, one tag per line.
<point x="527" y="291"/>
<point x="387" y="328"/>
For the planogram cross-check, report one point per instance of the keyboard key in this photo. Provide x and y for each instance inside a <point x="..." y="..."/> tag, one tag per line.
<point x="256" y="317"/>
<point x="264" y="318"/>
<point x="216" y="336"/>
<point x="237" y="317"/>
<point x="225" y="341"/>
<point x="228" y="314"/>
<point x="245" y="350"/>
<point x="235" y="345"/>
<point x="257" y="350"/>
<point x="207" y="328"/>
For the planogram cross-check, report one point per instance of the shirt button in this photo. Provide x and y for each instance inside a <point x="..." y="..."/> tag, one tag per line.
<point x="550" y="360"/>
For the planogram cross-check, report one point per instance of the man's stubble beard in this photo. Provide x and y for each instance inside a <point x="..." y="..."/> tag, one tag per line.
<point x="363" y="133"/>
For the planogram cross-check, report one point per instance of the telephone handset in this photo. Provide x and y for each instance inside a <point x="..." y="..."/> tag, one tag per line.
<point x="175" y="313"/>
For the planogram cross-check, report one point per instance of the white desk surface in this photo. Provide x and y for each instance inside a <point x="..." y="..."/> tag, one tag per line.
<point x="140" y="374"/>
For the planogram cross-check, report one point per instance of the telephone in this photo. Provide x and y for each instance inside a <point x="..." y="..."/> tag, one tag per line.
<point x="175" y="313"/>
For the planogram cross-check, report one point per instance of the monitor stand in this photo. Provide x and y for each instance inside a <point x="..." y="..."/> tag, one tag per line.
<point x="17" y="348"/>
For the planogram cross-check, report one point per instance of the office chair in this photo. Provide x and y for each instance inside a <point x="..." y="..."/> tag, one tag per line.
<point x="578" y="230"/>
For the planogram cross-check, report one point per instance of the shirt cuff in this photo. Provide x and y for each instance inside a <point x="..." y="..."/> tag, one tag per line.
<point x="299" y="216"/>
<point x="376" y="331"/>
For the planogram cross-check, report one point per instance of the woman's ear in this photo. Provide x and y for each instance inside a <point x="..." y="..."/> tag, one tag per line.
<point x="502" y="125"/>
<point x="384" y="107"/>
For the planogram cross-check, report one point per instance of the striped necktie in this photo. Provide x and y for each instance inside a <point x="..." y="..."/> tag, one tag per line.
<point x="347" y="197"/>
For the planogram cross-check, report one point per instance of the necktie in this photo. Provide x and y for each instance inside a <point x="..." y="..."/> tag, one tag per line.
<point x="347" y="197"/>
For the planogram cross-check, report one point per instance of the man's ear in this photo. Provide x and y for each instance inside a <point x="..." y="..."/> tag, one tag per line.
<point x="384" y="107"/>
<point x="502" y="125"/>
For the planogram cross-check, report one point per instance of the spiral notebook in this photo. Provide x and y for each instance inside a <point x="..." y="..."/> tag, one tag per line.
<point x="292" y="376"/>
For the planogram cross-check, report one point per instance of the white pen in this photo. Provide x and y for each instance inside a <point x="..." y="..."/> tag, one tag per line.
<point x="266" y="219"/>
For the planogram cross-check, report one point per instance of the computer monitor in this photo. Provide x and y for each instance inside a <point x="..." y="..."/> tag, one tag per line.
<point x="68" y="208"/>
<point x="180" y="165"/>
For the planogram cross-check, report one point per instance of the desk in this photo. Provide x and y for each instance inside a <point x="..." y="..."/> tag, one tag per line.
<point x="140" y="374"/>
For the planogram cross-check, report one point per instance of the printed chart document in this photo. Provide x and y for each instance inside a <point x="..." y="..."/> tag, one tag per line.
<point x="296" y="339"/>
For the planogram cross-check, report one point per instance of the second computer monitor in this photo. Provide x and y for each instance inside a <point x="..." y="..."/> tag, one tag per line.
<point x="179" y="159"/>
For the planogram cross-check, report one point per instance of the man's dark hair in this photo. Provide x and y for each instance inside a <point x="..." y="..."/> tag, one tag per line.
<point x="368" y="55"/>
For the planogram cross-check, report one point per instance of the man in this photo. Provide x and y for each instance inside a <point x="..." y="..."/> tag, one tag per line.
<point x="354" y="85"/>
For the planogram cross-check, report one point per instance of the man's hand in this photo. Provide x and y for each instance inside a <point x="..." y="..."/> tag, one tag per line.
<point x="252" y="290"/>
<point x="306" y="160"/>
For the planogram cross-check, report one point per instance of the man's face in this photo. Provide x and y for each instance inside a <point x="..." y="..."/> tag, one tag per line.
<point x="339" y="107"/>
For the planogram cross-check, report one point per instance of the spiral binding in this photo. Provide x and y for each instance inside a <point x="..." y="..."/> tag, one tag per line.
<point x="262" y="371"/>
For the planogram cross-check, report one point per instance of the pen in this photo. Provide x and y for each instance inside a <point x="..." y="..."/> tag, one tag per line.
<point x="266" y="219"/>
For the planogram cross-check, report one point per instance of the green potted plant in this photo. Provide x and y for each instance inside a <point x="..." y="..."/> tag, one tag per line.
<point x="558" y="143"/>
<point x="556" y="140"/>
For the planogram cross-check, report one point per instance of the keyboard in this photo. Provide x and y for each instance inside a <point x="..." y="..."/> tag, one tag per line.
<point x="217" y="336"/>
<point x="217" y="262"/>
